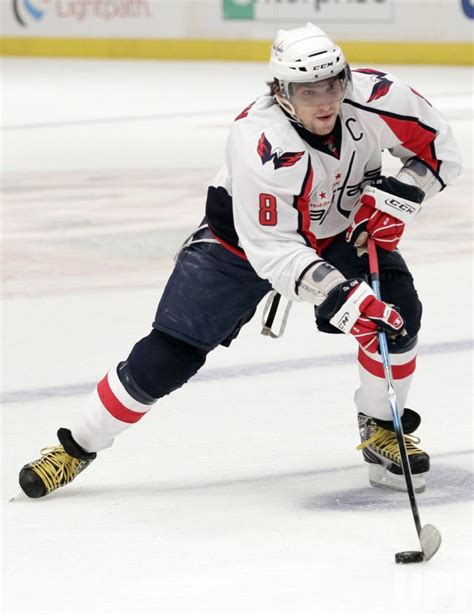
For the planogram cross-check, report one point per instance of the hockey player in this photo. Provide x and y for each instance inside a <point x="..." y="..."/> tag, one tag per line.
<point x="300" y="191"/>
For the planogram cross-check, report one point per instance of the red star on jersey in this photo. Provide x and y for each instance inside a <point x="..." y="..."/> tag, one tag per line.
<point x="338" y="177"/>
<point x="322" y="195"/>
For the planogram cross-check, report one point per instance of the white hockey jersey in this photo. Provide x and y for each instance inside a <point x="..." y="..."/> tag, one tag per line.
<point x="283" y="193"/>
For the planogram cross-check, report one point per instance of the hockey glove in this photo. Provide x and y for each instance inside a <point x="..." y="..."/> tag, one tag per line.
<point x="383" y="210"/>
<point x="353" y="308"/>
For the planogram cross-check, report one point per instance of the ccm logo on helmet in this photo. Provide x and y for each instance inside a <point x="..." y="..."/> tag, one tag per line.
<point x="321" y="66"/>
<point x="400" y="205"/>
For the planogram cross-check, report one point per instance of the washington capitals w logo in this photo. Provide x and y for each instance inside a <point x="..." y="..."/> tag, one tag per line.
<point x="382" y="84"/>
<point x="280" y="158"/>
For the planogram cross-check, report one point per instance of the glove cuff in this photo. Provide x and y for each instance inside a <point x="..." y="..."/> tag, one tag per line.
<point x="346" y="317"/>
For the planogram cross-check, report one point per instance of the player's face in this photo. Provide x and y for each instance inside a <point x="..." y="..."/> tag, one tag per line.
<point x="317" y="104"/>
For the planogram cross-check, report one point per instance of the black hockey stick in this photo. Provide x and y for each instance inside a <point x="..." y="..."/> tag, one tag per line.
<point x="429" y="536"/>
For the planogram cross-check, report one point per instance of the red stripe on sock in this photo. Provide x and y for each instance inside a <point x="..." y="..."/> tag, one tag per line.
<point x="113" y="404"/>
<point x="376" y="367"/>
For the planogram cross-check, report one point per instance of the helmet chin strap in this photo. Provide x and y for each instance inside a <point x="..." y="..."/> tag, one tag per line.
<point x="290" y="110"/>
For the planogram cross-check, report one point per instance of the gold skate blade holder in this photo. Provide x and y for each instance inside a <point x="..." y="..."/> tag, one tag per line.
<point x="269" y="314"/>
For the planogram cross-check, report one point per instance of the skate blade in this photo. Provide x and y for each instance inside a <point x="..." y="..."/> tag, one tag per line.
<point x="380" y="477"/>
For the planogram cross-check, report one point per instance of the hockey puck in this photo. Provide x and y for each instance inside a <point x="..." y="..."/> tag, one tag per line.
<point x="405" y="558"/>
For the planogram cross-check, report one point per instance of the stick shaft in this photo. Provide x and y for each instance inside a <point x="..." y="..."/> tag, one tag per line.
<point x="392" y="398"/>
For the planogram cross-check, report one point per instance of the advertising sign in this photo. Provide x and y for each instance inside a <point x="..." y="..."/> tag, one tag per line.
<point x="428" y="31"/>
<point x="468" y="8"/>
<point x="34" y="14"/>
<point x="317" y="10"/>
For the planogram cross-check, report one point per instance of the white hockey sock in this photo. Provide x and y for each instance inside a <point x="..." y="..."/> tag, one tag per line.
<point x="109" y="411"/>
<point x="371" y="397"/>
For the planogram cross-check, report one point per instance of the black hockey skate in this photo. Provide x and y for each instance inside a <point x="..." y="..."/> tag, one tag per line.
<point x="380" y="449"/>
<point x="57" y="466"/>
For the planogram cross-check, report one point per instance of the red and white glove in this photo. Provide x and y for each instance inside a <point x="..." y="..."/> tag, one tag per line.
<point x="353" y="308"/>
<point x="383" y="210"/>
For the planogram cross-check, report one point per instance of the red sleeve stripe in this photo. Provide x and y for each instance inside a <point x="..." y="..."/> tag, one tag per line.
<point x="113" y="404"/>
<point x="301" y="203"/>
<point x="376" y="368"/>
<point x="244" y="113"/>
<point x="414" y="135"/>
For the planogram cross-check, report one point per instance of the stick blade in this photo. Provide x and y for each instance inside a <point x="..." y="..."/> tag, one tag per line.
<point x="430" y="539"/>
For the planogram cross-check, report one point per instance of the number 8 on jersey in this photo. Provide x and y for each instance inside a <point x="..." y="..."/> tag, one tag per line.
<point x="268" y="210"/>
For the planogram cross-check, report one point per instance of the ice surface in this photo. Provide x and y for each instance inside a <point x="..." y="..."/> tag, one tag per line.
<point x="242" y="493"/>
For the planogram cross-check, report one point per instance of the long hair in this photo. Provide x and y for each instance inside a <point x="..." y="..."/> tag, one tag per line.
<point x="274" y="87"/>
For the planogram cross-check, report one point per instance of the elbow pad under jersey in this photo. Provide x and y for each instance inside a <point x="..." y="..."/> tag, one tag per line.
<point x="317" y="281"/>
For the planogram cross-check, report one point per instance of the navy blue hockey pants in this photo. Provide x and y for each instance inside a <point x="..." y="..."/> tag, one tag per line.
<point x="212" y="293"/>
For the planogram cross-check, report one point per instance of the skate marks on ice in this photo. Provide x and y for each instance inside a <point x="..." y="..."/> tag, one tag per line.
<point x="84" y="231"/>
<point x="445" y="484"/>
<point x="152" y="117"/>
<point x="248" y="369"/>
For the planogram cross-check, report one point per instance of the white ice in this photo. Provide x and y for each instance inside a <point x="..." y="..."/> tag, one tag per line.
<point x="242" y="493"/>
